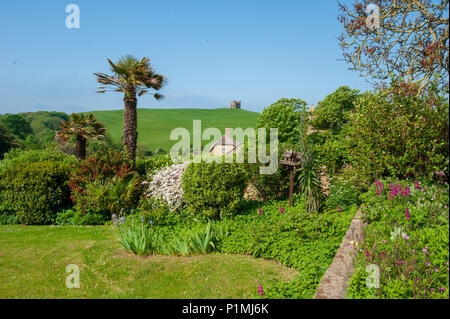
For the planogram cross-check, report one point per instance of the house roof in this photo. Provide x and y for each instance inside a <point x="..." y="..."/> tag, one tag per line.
<point x="225" y="140"/>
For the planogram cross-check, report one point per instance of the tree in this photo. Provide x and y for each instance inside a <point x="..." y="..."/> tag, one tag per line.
<point x="285" y="115"/>
<point x="82" y="127"/>
<point x="400" y="136"/>
<point x="332" y="112"/>
<point x="7" y="141"/>
<point x="133" y="78"/>
<point x="17" y="125"/>
<point x="410" y="42"/>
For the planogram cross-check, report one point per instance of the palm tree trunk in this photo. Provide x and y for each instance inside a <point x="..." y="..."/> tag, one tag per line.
<point x="80" y="149"/>
<point x="130" y="125"/>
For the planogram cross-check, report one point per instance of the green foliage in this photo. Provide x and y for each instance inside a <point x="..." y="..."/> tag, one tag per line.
<point x="160" y="151"/>
<point x="44" y="125"/>
<point x="143" y="238"/>
<point x="17" y="156"/>
<point x="342" y="194"/>
<point x="332" y="113"/>
<point x="407" y="237"/>
<point x="214" y="189"/>
<point x="36" y="190"/>
<point x="71" y="217"/>
<point x="309" y="181"/>
<point x="8" y="218"/>
<point x="285" y="115"/>
<point x="149" y="166"/>
<point x="7" y="141"/>
<point x="17" y="124"/>
<point x="271" y="186"/>
<point x="139" y="239"/>
<point x="295" y="238"/>
<point x="105" y="183"/>
<point x="400" y="136"/>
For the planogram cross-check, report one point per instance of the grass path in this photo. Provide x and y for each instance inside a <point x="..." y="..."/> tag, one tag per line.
<point x="33" y="260"/>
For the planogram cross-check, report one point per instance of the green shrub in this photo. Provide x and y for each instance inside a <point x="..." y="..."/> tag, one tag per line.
<point x="400" y="136"/>
<point x="71" y="217"/>
<point x="8" y="219"/>
<point x="37" y="190"/>
<point x="214" y="189"/>
<point x="342" y="194"/>
<point x="105" y="183"/>
<point x="285" y="115"/>
<point x="272" y="186"/>
<point x="16" y="156"/>
<point x="144" y="167"/>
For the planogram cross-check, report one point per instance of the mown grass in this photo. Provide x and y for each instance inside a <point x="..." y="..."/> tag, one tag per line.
<point x="155" y="125"/>
<point x="33" y="262"/>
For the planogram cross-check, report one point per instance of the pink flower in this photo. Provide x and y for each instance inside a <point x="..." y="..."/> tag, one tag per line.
<point x="339" y="208"/>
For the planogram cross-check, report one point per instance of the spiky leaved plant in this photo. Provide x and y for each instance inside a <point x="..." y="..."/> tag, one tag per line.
<point x="309" y="180"/>
<point x="82" y="127"/>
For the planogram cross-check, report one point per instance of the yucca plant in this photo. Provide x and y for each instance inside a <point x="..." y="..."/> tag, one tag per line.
<point x="309" y="181"/>
<point x="133" y="78"/>
<point x="309" y="177"/>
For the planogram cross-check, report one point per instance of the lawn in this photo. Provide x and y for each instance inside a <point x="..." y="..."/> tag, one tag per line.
<point x="33" y="261"/>
<point x="155" y="125"/>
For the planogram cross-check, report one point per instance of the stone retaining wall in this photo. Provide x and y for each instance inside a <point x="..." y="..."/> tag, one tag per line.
<point x="335" y="281"/>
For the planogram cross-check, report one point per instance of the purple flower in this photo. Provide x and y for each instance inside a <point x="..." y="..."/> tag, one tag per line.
<point x="425" y="251"/>
<point x="339" y="208"/>
<point x="281" y="209"/>
<point x="260" y="211"/>
<point x="406" y="237"/>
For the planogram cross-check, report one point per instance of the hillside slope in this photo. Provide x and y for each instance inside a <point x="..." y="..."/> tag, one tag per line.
<point x="155" y="125"/>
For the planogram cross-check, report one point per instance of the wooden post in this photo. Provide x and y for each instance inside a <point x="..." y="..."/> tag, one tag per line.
<point x="291" y="186"/>
<point x="292" y="159"/>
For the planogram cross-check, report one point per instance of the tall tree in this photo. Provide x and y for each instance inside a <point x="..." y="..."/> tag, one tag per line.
<point x="17" y="124"/>
<point x="408" y="38"/>
<point x="82" y="127"/>
<point x="7" y="141"/>
<point x="133" y="78"/>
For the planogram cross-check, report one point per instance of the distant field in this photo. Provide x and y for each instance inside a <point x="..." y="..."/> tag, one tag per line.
<point x="155" y="125"/>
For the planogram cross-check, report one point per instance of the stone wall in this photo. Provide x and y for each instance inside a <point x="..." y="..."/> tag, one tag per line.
<point x="335" y="281"/>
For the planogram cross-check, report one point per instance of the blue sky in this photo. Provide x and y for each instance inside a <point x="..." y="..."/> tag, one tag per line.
<point x="212" y="52"/>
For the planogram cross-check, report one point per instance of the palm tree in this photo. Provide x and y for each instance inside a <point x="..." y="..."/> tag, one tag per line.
<point x="82" y="127"/>
<point x="133" y="78"/>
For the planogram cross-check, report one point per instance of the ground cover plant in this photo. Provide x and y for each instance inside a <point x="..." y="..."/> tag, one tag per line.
<point x="406" y="236"/>
<point x="290" y="236"/>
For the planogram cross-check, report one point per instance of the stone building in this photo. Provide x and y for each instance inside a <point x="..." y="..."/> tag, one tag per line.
<point x="235" y="104"/>
<point x="225" y="145"/>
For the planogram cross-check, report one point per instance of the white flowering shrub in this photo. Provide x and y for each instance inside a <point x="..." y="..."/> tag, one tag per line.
<point x="165" y="184"/>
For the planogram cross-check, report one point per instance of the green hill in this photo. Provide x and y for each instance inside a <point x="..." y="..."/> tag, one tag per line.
<point x="155" y="125"/>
